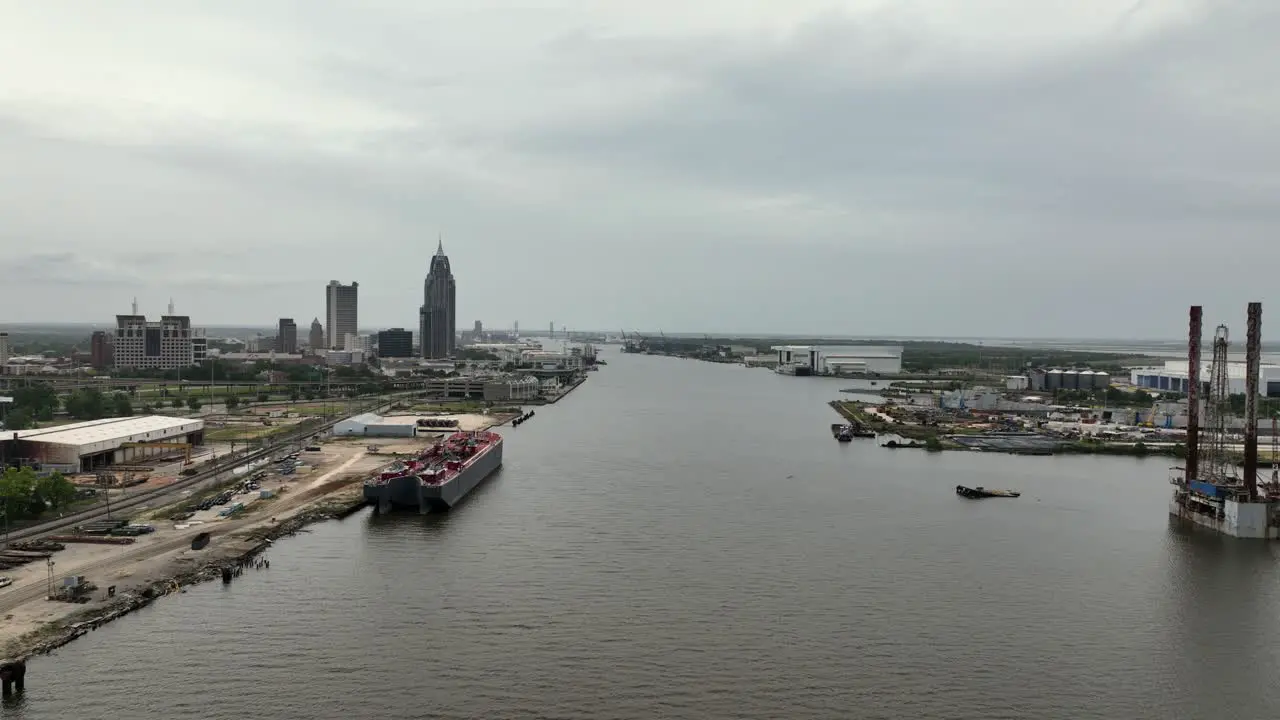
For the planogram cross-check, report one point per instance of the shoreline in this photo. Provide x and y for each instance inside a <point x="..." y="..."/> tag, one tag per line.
<point x="164" y="562"/>
<point x="59" y="633"/>
<point x="936" y="439"/>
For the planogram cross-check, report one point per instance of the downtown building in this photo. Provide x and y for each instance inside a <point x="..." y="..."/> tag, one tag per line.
<point x="165" y="345"/>
<point x="287" y="337"/>
<point x="316" y="339"/>
<point x="340" y="320"/>
<point x="438" y="314"/>
<point x="395" y="343"/>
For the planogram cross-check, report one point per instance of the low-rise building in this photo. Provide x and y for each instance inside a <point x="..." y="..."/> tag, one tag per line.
<point x="86" y="446"/>
<point x="842" y="359"/>
<point x="1172" y="377"/>
<point x="374" y="425"/>
<point x="511" y="388"/>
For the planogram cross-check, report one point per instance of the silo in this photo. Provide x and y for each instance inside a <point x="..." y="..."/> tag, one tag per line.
<point x="1053" y="380"/>
<point x="1084" y="380"/>
<point x="1036" y="378"/>
<point x="1070" y="380"/>
<point x="1101" y="380"/>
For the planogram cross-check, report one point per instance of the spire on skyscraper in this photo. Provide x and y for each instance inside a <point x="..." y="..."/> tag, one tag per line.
<point x="440" y="245"/>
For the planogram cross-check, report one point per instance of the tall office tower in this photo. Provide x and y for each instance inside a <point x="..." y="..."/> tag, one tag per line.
<point x="437" y="316"/>
<point x="287" y="337"/>
<point x="316" y="340"/>
<point x="340" y="313"/>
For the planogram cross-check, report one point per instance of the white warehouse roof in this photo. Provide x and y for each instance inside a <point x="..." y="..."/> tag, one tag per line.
<point x="111" y="432"/>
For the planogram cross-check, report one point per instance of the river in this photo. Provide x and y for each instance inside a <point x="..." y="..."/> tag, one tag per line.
<point x="679" y="539"/>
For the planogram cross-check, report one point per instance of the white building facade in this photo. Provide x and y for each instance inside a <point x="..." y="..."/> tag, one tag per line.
<point x="1172" y="377"/>
<point x="842" y="359"/>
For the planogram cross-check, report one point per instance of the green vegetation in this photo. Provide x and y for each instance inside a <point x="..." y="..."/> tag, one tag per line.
<point x="232" y="403"/>
<point x="24" y="495"/>
<point x="33" y="403"/>
<point x="918" y="356"/>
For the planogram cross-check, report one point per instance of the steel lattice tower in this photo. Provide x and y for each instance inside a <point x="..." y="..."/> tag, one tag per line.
<point x="1215" y="462"/>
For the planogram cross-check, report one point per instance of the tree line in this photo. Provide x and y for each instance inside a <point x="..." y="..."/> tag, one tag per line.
<point x="39" y="402"/>
<point x="25" y="495"/>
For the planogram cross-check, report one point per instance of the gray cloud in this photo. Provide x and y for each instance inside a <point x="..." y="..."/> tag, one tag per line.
<point x="1048" y="169"/>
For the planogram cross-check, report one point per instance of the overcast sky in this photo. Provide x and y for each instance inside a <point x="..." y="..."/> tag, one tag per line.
<point x="905" y="167"/>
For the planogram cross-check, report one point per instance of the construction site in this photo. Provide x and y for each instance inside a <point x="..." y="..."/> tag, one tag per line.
<point x="1211" y="490"/>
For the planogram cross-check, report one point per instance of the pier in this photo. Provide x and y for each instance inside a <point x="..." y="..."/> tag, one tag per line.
<point x="13" y="676"/>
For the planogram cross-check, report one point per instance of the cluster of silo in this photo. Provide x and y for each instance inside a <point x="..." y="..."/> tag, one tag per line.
<point x="1076" y="380"/>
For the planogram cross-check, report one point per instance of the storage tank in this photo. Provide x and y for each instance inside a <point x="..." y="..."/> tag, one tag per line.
<point x="1101" y="380"/>
<point x="1070" y="380"/>
<point x="1036" y="378"/>
<point x="1084" y="380"/>
<point x="1053" y="380"/>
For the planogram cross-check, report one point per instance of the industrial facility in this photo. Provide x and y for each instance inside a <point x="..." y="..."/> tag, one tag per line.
<point x="1058" y="379"/>
<point x="839" y="359"/>
<point x="1173" y="377"/>
<point x="87" y="446"/>
<point x="1212" y="490"/>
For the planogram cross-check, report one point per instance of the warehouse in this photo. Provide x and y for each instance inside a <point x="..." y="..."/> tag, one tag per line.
<point x="841" y="359"/>
<point x="86" y="446"/>
<point x="374" y="425"/>
<point x="1173" y="378"/>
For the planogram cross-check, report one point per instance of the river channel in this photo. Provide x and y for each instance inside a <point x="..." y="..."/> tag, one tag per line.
<point x="678" y="539"/>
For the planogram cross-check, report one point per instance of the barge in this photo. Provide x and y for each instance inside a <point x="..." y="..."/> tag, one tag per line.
<point x="438" y="478"/>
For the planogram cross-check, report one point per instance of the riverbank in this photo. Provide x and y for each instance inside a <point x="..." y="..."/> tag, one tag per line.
<point x="946" y="437"/>
<point x="328" y="485"/>
<point x="233" y="553"/>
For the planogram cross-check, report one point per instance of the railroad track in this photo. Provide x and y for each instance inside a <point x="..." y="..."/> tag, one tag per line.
<point x="194" y="481"/>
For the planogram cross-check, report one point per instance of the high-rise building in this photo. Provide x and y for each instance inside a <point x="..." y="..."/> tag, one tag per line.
<point x="287" y="337"/>
<point x="436" y="318"/>
<point x="340" y="313"/>
<point x="165" y="345"/>
<point x="316" y="340"/>
<point x="4" y="348"/>
<point x="395" y="343"/>
<point x="100" y="350"/>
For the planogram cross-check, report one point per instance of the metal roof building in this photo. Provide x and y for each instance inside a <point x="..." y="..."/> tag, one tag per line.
<point x="374" y="425"/>
<point x="85" y="446"/>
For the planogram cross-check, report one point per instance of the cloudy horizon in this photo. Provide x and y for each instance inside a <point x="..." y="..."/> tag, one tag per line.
<point x="857" y="168"/>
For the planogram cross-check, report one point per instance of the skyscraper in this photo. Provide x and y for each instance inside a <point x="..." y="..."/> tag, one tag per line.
<point x="316" y="340"/>
<point x="287" y="337"/>
<point x="436" y="318"/>
<point x="340" y="313"/>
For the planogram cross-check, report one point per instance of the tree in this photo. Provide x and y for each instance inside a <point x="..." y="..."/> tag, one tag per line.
<point x="176" y="401"/>
<point x="24" y="494"/>
<point x="193" y="402"/>
<point x="263" y="397"/>
<point x="293" y="395"/>
<point x="55" y="490"/>
<point x="232" y="402"/>
<point x="38" y="400"/>
<point x="19" y="419"/>
<point x="86" y="404"/>
<point x="123" y="408"/>
<point x="148" y="410"/>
